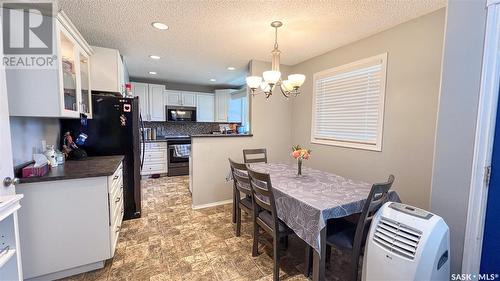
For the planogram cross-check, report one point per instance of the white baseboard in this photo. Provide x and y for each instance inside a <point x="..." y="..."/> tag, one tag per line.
<point x="69" y="272"/>
<point x="203" y="206"/>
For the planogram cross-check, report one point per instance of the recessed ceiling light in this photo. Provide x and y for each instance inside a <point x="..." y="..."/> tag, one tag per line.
<point x="154" y="57"/>
<point x="159" y="25"/>
<point x="153" y="72"/>
<point x="213" y="80"/>
<point x="231" y="68"/>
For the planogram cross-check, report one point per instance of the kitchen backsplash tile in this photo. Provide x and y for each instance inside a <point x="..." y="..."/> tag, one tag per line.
<point x="188" y="128"/>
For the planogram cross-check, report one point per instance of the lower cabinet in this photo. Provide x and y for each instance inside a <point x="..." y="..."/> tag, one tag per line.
<point x="69" y="226"/>
<point x="155" y="158"/>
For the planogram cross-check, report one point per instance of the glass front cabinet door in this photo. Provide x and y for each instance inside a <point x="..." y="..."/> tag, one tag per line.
<point x="68" y="74"/>
<point x="86" y="104"/>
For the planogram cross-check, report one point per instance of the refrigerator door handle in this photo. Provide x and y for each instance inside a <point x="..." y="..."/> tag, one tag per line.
<point x="143" y="140"/>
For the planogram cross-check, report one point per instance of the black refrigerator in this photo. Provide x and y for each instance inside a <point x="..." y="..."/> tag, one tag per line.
<point x="114" y="130"/>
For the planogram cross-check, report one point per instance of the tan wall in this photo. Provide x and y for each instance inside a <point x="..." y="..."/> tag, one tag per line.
<point x="271" y="128"/>
<point x="413" y="75"/>
<point x="414" y="65"/>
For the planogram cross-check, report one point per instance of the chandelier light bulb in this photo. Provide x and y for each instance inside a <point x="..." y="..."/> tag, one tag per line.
<point x="296" y="80"/>
<point x="254" y="81"/>
<point x="286" y="86"/>
<point x="265" y="87"/>
<point x="271" y="76"/>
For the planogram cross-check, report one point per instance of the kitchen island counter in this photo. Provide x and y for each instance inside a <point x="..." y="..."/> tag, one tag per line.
<point x="221" y="135"/>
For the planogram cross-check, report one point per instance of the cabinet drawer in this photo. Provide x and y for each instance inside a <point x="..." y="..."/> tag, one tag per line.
<point x="155" y="168"/>
<point x="115" y="181"/>
<point x="155" y="156"/>
<point x="115" y="201"/>
<point x="114" y="231"/>
<point x="156" y="145"/>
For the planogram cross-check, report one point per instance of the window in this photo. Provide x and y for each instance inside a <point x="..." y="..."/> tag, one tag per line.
<point x="348" y="104"/>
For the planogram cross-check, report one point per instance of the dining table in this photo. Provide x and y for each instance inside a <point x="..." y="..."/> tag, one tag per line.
<point x="306" y="202"/>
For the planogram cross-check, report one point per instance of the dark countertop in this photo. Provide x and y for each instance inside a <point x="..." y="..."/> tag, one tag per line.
<point x="221" y="135"/>
<point x="91" y="167"/>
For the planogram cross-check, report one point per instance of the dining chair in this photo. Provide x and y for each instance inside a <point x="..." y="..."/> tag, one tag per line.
<point x="351" y="237"/>
<point x="241" y="184"/>
<point x="265" y="216"/>
<point x="258" y="155"/>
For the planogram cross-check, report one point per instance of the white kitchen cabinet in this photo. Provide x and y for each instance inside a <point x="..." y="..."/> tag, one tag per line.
<point x="56" y="91"/>
<point x="188" y="99"/>
<point x="180" y="98"/>
<point x="107" y="70"/>
<point x="155" y="158"/>
<point x="151" y="100"/>
<point x="141" y="90"/>
<point x="66" y="231"/>
<point x="85" y="85"/>
<point x="205" y="108"/>
<point x="173" y="97"/>
<point x="156" y="102"/>
<point x="222" y="100"/>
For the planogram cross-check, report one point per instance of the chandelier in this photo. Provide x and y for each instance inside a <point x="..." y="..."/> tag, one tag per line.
<point x="272" y="78"/>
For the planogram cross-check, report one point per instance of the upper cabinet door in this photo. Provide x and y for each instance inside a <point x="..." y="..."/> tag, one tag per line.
<point x="205" y="108"/>
<point x="141" y="90"/>
<point x="221" y="105"/>
<point x="86" y="104"/>
<point x="173" y="97"/>
<point x="157" y="102"/>
<point x="188" y="99"/>
<point x="68" y="74"/>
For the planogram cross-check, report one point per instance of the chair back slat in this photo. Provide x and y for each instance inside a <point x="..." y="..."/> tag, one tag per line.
<point x="262" y="191"/>
<point x="379" y="194"/>
<point x="258" y="155"/>
<point x="240" y="177"/>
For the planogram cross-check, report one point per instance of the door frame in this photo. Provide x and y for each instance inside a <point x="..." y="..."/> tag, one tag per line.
<point x="483" y="144"/>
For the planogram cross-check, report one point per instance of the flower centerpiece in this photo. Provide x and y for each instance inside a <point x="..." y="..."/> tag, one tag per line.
<point x="300" y="153"/>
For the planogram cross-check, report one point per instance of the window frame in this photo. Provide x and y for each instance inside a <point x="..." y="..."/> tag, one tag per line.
<point x="382" y="59"/>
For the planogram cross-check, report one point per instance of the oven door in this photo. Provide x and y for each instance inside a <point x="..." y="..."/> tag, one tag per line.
<point x="179" y="114"/>
<point x="174" y="161"/>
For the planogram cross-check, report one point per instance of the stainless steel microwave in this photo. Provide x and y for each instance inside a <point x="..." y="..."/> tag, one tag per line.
<point x="180" y="114"/>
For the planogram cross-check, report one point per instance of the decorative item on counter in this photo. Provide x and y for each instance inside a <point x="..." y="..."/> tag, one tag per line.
<point x="128" y="90"/>
<point x="60" y="158"/>
<point x="80" y="140"/>
<point x="50" y="153"/>
<point x="153" y="133"/>
<point x="71" y="150"/>
<point x="32" y="171"/>
<point x="300" y="153"/>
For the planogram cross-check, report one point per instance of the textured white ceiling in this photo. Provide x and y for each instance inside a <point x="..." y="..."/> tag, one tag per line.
<point x="207" y="36"/>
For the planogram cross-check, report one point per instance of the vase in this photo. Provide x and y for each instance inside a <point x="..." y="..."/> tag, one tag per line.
<point x="299" y="167"/>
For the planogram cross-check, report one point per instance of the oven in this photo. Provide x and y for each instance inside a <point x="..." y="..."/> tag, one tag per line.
<point x="180" y="114"/>
<point x="177" y="165"/>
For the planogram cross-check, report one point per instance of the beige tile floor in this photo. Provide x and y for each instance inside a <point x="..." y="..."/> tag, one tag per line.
<point x="173" y="242"/>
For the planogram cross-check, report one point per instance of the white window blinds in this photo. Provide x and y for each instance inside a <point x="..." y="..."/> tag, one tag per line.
<point x="348" y="104"/>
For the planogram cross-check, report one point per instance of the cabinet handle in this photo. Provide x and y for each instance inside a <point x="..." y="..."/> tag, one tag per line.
<point x="115" y="177"/>
<point x="117" y="199"/>
<point x="118" y="228"/>
<point x="74" y="106"/>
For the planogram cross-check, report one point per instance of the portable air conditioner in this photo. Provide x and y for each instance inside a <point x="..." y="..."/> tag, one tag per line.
<point x="406" y="243"/>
